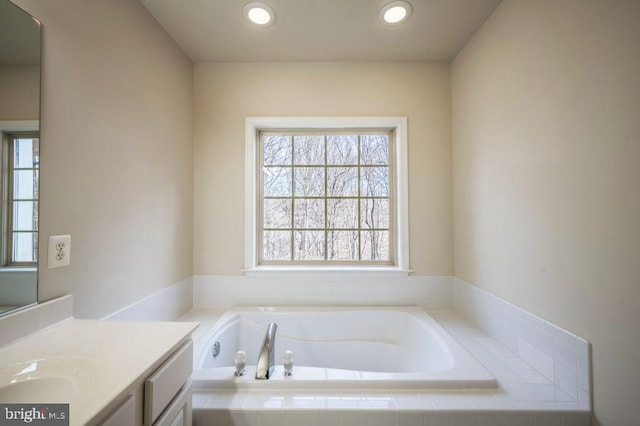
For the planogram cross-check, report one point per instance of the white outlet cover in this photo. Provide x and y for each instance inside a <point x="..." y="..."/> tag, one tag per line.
<point x="59" y="253"/>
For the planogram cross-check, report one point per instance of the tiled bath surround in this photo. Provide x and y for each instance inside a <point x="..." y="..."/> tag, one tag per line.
<point x="518" y="400"/>
<point x="556" y="355"/>
<point x="223" y="292"/>
<point x="542" y="370"/>
<point x="165" y="305"/>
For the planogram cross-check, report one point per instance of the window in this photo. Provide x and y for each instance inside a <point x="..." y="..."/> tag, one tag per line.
<point x="324" y="196"/>
<point x="21" y="159"/>
<point x="326" y="192"/>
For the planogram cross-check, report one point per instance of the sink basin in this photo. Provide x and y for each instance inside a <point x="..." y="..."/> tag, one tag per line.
<point x="37" y="391"/>
<point x="53" y="380"/>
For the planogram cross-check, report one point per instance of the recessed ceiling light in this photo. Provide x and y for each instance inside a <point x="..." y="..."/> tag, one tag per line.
<point x="395" y="12"/>
<point x="259" y="13"/>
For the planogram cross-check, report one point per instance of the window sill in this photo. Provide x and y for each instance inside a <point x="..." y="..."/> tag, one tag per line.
<point x="326" y="271"/>
<point x="17" y="269"/>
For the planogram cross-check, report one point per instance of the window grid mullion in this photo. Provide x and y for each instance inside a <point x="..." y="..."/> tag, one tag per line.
<point x="326" y="213"/>
<point x="359" y="232"/>
<point x="318" y="197"/>
<point x="293" y="199"/>
<point x="319" y="229"/>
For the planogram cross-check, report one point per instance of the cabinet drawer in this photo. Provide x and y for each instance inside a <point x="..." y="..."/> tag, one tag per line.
<point x="164" y="384"/>
<point x="179" y="412"/>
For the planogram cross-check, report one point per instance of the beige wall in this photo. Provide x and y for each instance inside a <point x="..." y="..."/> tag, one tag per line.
<point x="546" y="136"/>
<point x="20" y="92"/>
<point x="116" y="153"/>
<point x="227" y="93"/>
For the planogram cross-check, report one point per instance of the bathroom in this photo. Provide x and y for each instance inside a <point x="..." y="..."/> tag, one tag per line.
<point x="511" y="191"/>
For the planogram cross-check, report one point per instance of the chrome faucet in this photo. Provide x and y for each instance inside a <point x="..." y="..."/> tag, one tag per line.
<point x="265" y="365"/>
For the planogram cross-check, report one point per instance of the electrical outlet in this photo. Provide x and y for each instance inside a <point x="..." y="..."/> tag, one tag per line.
<point x="59" y="251"/>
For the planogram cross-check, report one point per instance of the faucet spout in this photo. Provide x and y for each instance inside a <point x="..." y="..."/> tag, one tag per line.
<point x="265" y="365"/>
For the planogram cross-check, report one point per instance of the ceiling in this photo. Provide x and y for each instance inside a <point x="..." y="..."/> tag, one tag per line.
<point x="321" y="30"/>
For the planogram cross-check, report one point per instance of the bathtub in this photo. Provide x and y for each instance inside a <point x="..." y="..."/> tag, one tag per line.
<point x="339" y="348"/>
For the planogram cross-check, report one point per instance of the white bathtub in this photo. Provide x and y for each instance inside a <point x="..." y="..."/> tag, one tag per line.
<point x="339" y="348"/>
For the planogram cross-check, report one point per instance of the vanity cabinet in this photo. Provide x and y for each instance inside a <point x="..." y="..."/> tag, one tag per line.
<point x="167" y="392"/>
<point x="160" y="399"/>
<point x="178" y="413"/>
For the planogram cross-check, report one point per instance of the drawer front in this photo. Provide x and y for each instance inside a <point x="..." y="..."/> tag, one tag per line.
<point x="164" y="384"/>
<point x="179" y="412"/>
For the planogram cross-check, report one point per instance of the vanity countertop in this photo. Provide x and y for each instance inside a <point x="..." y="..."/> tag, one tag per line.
<point x="102" y="358"/>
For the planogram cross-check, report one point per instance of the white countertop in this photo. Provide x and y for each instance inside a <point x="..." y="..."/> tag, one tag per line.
<point x="103" y="358"/>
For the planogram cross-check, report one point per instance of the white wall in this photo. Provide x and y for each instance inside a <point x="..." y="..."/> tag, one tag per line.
<point x="225" y="93"/>
<point x="546" y="140"/>
<point x="20" y="89"/>
<point x="116" y="152"/>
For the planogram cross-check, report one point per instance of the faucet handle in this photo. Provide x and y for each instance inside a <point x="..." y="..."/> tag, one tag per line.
<point x="240" y="360"/>
<point x="287" y="362"/>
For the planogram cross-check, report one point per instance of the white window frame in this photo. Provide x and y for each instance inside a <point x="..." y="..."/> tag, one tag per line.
<point x="14" y="127"/>
<point x="400" y="227"/>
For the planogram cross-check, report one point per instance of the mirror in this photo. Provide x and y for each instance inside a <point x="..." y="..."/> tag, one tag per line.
<point x="19" y="156"/>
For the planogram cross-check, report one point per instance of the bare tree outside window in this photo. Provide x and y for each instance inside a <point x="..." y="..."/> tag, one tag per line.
<point x="325" y="197"/>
